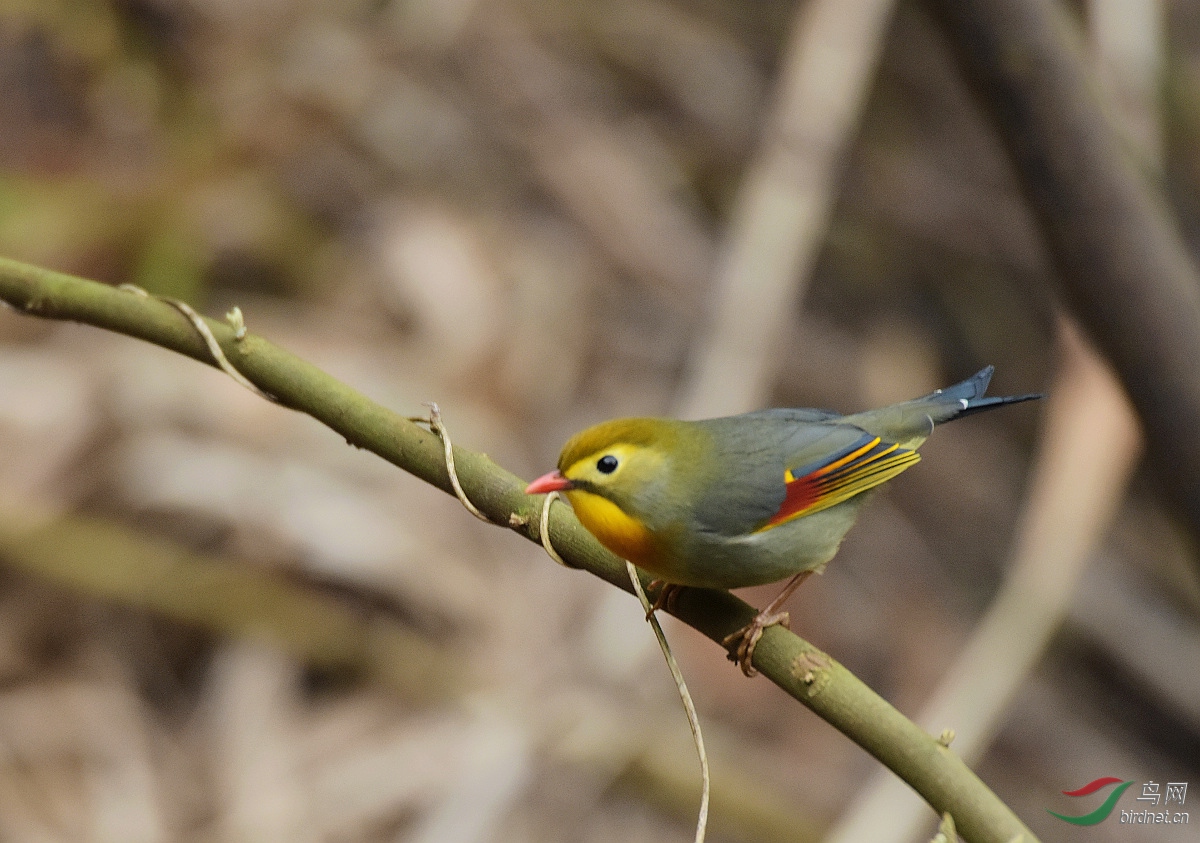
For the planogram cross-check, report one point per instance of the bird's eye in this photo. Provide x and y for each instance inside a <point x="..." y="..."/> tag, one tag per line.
<point x="607" y="464"/>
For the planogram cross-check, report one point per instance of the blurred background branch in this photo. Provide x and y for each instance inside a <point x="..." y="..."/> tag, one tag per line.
<point x="1124" y="269"/>
<point x="108" y="562"/>
<point x="781" y="211"/>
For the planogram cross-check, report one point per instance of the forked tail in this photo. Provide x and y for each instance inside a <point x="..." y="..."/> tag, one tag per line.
<point x="967" y="397"/>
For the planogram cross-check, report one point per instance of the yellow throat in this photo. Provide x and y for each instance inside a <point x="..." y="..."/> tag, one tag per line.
<point x="623" y="535"/>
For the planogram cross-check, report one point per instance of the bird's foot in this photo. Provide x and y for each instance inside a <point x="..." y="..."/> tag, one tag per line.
<point x="746" y="638"/>
<point x="668" y="593"/>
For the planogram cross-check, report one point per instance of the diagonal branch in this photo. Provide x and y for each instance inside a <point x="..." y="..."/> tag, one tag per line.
<point x="800" y="669"/>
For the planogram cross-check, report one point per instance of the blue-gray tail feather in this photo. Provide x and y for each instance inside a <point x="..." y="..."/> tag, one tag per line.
<point x="969" y="395"/>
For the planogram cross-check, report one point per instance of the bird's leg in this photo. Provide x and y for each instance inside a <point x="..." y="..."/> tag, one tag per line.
<point x="667" y="593"/>
<point x="747" y="637"/>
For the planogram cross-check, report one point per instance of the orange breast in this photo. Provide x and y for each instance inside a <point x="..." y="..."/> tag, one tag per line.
<point x="625" y="536"/>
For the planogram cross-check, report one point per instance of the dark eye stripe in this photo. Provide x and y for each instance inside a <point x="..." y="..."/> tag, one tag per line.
<point x="607" y="464"/>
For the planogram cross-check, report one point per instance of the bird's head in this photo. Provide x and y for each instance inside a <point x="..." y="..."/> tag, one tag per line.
<point x="624" y="481"/>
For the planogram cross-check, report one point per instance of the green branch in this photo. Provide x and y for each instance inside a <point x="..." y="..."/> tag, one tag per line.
<point x="799" y="668"/>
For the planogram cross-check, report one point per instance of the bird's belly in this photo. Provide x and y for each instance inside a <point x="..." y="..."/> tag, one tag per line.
<point x="804" y="544"/>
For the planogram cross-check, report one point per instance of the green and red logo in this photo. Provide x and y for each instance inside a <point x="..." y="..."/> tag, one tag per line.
<point x="1101" y="813"/>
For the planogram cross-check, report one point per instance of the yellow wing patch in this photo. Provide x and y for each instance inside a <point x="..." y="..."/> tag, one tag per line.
<point x="868" y="463"/>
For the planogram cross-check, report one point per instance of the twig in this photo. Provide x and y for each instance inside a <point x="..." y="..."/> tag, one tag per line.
<point x="676" y="674"/>
<point x="688" y="706"/>
<point x="435" y="424"/>
<point x="945" y="832"/>
<point x="236" y="321"/>
<point x="544" y="530"/>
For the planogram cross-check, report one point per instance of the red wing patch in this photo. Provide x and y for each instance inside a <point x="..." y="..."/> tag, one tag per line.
<point x="867" y="464"/>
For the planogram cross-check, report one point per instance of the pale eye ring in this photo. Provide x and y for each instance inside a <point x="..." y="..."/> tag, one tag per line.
<point x="607" y="464"/>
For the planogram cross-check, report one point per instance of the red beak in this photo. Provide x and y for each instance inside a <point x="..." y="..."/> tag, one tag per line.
<point x="552" y="482"/>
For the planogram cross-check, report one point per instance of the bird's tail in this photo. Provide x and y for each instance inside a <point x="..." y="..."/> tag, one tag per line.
<point x="910" y="422"/>
<point x="967" y="397"/>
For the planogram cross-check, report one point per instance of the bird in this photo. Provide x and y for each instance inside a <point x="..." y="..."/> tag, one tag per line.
<point x="749" y="499"/>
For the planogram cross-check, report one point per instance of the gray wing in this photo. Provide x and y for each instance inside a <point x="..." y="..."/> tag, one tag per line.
<point x="751" y="454"/>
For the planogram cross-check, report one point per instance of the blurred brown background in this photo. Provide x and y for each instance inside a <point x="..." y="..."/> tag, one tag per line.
<point x="527" y="210"/>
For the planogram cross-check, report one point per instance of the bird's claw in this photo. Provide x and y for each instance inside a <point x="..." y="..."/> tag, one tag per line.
<point x="746" y="638"/>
